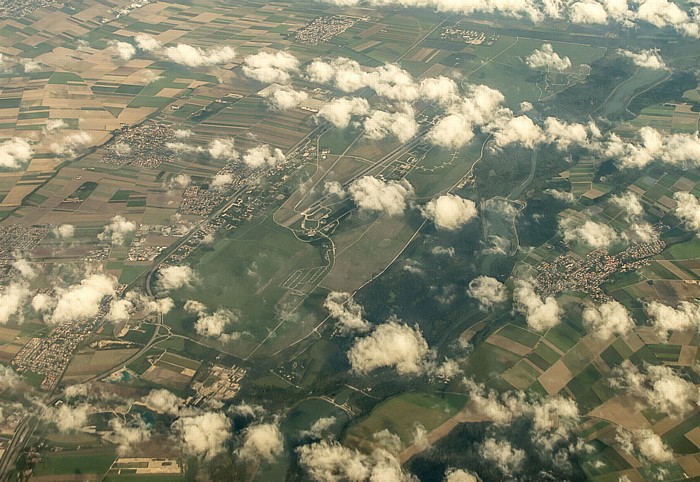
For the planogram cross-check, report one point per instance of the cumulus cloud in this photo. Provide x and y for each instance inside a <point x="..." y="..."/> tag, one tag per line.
<point x="83" y="300"/>
<point x="440" y="89"/>
<point x="286" y="98"/>
<point x="215" y="324"/>
<point x="607" y="320"/>
<point x="347" y="311"/>
<point x="480" y="105"/>
<point x="660" y="13"/>
<point x="190" y="56"/>
<point x="334" y="188"/>
<point x="546" y="58"/>
<point x="687" y="210"/>
<point x="163" y="401"/>
<point x="222" y="149"/>
<point x="665" y="319"/>
<point x="122" y="50"/>
<point x="400" y="124"/>
<point x="592" y="234"/>
<point x="117" y="230"/>
<point x="340" y="111"/>
<point x="8" y="378"/>
<point x="271" y="67"/>
<point x="262" y="441"/>
<point x="649" y="59"/>
<point x="126" y="437"/>
<point x="221" y="180"/>
<point x="30" y="65"/>
<point x="630" y="203"/>
<point x="540" y="314"/>
<point x="372" y="194"/>
<point x="487" y="291"/>
<point x="564" y="196"/>
<point x="203" y="435"/>
<point x="176" y="277"/>
<point x="25" y="268"/>
<point x="181" y="181"/>
<point x="64" y="231"/>
<point x="319" y="428"/>
<point x="264" y="155"/>
<point x="459" y="475"/>
<point x="507" y="458"/>
<point x="450" y="212"/>
<point x="651" y="145"/>
<point x="71" y="143"/>
<point x="646" y="444"/>
<point x="147" y="43"/>
<point x="657" y="387"/>
<point x="14" y="153"/>
<point x="396" y="345"/>
<point x="331" y="462"/>
<point x="65" y="417"/>
<point x="12" y="299"/>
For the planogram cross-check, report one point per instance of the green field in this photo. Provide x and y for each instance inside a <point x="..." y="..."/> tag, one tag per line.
<point x="89" y="461"/>
<point x="400" y="414"/>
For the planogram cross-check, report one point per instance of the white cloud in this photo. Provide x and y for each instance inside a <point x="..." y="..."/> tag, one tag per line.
<point x="126" y="437"/>
<point x="222" y="149"/>
<point x="400" y="124"/>
<point x="480" y="105"/>
<point x="176" y="277"/>
<point x="25" y="268"/>
<point x="14" y="153"/>
<point x="540" y="314"/>
<point x="439" y="89"/>
<point x="340" y="111"/>
<point x="83" y="300"/>
<point x="334" y="188"/>
<point x="117" y="230"/>
<point x="630" y="203"/>
<point x="658" y="388"/>
<point x="607" y="320"/>
<point x="204" y="435"/>
<point x="522" y="130"/>
<point x="182" y="133"/>
<point x="190" y="56"/>
<point x="286" y="98"/>
<point x="487" y="291"/>
<point x="122" y="50"/>
<point x="687" y="210"/>
<point x="374" y="194"/>
<point x="666" y="319"/>
<point x="71" y="143"/>
<point x="65" y="417"/>
<point x="566" y="197"/>
<point x="264" y="155"/>
<point x="676" y="149"/>
<point x="8" y="378"/>
<point x="592" y="234"/>
<point x="163" y="401"/>
<point x="649" y="59"/>
<point x="271" y="67"/>
<point x="331" y="462"/>
<point x="221" y="181"/>
<point x="64" y="231"/>
<point x="147" y="43"/>
<point x="347" y="311"/>
<point x="181" y="181"/>
<point x="215" y="324"/>
<point x="30" y="65"/>
<point x="262" y="441"/>
<point x="546" y="58"/>
<point x="459" y="475"/>
<point x="647" y="444"/>
<point x="319" y="428"/>
<point x="450" y="212"/>
<point x="392" y="344"/>
<point x="503" y="454"/>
